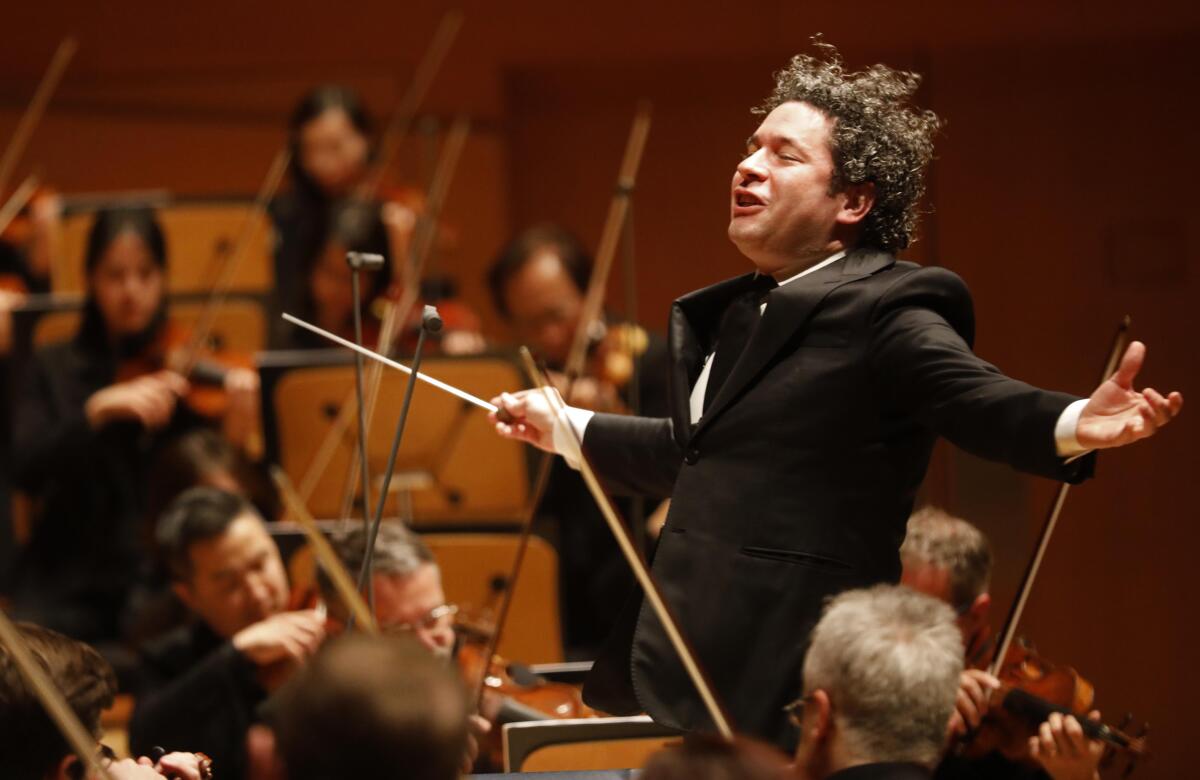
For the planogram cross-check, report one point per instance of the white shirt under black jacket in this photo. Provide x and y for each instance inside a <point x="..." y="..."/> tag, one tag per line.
<point x="566" y="440"/>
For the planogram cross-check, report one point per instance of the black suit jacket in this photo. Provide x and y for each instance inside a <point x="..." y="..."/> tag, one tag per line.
<point x="797" y="482"/>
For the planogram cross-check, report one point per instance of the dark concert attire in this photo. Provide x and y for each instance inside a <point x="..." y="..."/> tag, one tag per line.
<point x="200" y="694"/>
<point x="797" y="479"/>
<point x="90" y="536"/>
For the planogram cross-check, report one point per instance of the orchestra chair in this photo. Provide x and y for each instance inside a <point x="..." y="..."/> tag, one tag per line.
<point x="452" y="470"/>
<point x="475" y="570"/>
<point x="586" y="744"/>
<point x="199" y="234"/>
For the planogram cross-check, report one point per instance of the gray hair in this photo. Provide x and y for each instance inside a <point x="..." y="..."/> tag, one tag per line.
<point x="889" y="658"/>
<point x="937" y="538"/>
<point x="398" y="552"/>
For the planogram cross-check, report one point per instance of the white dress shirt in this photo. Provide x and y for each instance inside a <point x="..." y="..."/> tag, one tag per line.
<point x="572" y="423"/>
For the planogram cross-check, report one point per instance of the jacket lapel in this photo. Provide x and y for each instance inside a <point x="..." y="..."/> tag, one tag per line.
<point x="789" y="309"/>
<point x="692" y="334"/>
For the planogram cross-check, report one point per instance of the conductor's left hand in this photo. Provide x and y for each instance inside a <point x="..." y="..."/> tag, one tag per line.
<point x="1117" y="415"/>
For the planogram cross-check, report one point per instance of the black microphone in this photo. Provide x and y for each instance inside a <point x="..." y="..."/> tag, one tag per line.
<point x="431" y="321"/>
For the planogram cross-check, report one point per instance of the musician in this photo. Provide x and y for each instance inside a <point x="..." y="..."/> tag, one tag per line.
<point x="323" y="217"/>
<point x="364" y="707"/>
<point x="537" y="284"/>
<point x="951" y="560"/>
<point x="85" y="440"/>
<point x="205" y="682"/>
<point x="409" y="598"/>
<point x="880" y="678"/>
<point x="407" y="584"/>
<point x="31" y="745"/>
<point x="806" y="397"/>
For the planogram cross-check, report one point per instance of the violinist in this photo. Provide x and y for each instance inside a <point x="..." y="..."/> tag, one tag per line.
<point x="409" y="599"/>
<point x="878" y="688"/>
<point x="948" y="558"/>
<point x="326" y="214"/>
<point x="806" y="396"/>
<point x="202" y="683"/>
<point x="91" y="418"/>
<point x="537" y="285"/>
<point x="31" y="745"/>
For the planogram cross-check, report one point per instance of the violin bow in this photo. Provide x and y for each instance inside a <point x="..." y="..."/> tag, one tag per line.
<point x="329" y="560"/>
<point x="406" y="110"/>
<point x="593" y="301"/>
<point x="21" y="195"/>
<point x="81" y="741"/>
<point x="610" y="237"/>
<point x="250" y="228"/>
<point x="1120" y="341"/>
<point x="634" y="558"/>
<point x="36" y="108"/>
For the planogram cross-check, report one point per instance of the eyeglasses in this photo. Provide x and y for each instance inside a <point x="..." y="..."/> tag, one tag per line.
<point x="430" y="621"/>
<point x="795" y="710"/>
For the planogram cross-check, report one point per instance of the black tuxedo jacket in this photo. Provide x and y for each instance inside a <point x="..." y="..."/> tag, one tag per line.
<point x="797" y="482"/>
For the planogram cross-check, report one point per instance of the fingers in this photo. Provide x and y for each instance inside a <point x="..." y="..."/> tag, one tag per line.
<point x="182" y="765"/>
<point x="1131" y="364"/>
<point x="974" y="691"/>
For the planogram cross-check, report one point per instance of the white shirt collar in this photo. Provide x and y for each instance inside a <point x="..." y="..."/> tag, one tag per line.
<point x="831" y="259"/>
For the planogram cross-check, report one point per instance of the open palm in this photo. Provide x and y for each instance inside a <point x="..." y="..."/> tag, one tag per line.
<point x="1117" y="415"/>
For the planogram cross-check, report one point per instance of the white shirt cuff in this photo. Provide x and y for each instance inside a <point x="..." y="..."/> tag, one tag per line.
<point x="569" y="427"/>
<point x="1064" y="431"/>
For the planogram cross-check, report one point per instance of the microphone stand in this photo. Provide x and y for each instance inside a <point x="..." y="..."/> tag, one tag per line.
<point x="431" y="322"/>
<point x="357" y="262"/>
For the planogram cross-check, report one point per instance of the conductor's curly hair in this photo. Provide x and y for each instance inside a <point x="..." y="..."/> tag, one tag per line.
<point x="877" y="136"/>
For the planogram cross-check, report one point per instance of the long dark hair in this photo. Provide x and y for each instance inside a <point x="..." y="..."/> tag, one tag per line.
<point x="327" y="97"/>
<point x="108" y="226"/>
<point x="310" y="219"/>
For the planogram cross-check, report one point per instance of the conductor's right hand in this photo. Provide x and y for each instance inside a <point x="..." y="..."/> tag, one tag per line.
<point x="532" y="418"/>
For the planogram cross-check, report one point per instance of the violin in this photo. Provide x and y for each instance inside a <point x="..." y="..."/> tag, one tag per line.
<point x="1032" y="687"/>
<point x="206" y="370"/>
<point x="510" y="692"/>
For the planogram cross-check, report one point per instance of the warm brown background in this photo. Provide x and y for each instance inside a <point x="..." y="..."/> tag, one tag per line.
<point x="1064" y="193"/>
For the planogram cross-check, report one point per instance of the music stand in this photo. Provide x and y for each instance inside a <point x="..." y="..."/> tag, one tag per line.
<point x="472" y="477"/>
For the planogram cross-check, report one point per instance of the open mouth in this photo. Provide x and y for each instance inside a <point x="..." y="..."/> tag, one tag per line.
<point x="744" y="200"/>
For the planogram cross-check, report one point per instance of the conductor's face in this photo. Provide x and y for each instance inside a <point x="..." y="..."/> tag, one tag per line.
<point x="782" y="213"/>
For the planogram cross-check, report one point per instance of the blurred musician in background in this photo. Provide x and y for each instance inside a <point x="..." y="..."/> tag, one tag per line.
<point x="365" y="707"/>
<point x="537" y="284"/>
<point x="90" y="419"/>
<point x="948" y="558"/>
<point x="323" y="216"/>
<point x="31" y="745"/>
<point x="204" y="682"/>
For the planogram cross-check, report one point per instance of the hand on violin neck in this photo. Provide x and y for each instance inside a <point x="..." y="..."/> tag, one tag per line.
<point x="975" y="688"/>
<point x="1116" y="414"/>
<point x="1064" y="751"/>
<point x="149" y="399"/>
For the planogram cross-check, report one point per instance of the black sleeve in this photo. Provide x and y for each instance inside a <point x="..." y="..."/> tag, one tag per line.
<point x="205" y="709"/>
<point x="920" y="352"/>
<point x="49" y="436"/>
<point x="633" y="455"/>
